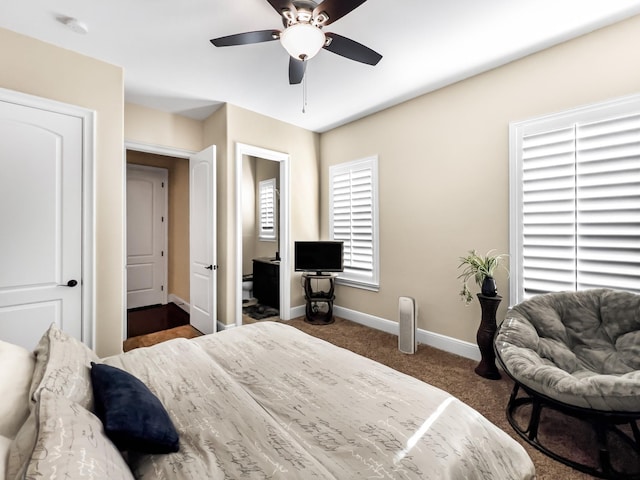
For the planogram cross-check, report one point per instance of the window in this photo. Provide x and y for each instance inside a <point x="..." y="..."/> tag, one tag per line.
<point x="353" y="219"/>
<point x="268" y="224"/>
<point x="575" y="200"/>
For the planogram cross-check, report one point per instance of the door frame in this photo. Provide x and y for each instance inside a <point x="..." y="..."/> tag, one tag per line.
<point x="145" y="148"/>
<point x="243" y="149"/>
<point x="165" y="225"/>
<point x="87" y="254"/>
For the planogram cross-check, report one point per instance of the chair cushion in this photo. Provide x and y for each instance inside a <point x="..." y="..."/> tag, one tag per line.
<point x="580" y="348"/>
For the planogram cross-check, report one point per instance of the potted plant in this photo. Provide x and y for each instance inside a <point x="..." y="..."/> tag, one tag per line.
<point x="481" y="269"/>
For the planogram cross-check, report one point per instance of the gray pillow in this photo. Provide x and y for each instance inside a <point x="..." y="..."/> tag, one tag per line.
<point x="63" y="367"/>
<point x="21" y="448"/>
<point x="70" y="443"/>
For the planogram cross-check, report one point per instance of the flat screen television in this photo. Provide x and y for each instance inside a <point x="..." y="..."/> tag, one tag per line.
<point x="319" y="256"/>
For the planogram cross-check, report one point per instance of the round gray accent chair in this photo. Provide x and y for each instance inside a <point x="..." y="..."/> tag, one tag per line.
<point x="577" y="353"/>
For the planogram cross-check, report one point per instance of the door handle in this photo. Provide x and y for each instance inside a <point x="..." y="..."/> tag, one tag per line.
<point x="210" y="267"/>
<point x="70" y="283"/>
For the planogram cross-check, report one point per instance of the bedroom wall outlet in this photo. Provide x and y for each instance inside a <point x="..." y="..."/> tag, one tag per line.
<point x="407" y="320"/>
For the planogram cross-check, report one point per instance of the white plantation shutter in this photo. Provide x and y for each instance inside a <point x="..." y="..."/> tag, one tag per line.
<point x="608" y="203"/>
<point x="548" y="187"/>
<point x="267" y="209"/>
<point x="575" y="200"/>
<point x="353" y="219"/>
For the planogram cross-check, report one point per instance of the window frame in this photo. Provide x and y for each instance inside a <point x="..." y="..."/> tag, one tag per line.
<point x="369" y="280"/>
<point x="517" y="131"/>
<point x="267" y="235"/>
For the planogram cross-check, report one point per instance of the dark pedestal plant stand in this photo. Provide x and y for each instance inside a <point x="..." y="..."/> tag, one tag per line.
<point x="487" y="366"/>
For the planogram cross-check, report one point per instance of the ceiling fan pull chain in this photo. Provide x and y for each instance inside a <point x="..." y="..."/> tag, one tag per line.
<point x="304" y="93"/>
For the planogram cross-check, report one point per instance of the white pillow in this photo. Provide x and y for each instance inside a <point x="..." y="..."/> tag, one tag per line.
<point x="5" y="443"/>
<point x="16" y="370"/>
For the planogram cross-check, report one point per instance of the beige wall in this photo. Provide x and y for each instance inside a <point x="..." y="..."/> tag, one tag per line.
<point x="444" y="169"/>
<point x="243" y="126"/>
<point x="215" y="133"/>
<point x="153" y="127"/>
<point x="178" y="217"/>
<point x="37" y="68"/>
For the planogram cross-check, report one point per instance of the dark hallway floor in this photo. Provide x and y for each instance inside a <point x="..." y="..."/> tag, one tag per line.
<point x="144" y="320"/>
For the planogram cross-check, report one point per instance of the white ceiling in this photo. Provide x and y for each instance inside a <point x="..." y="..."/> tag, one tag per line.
<point x="169" y="63"/>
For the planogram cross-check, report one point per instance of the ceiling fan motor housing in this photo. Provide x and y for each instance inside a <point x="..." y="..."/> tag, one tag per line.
<point x="302" y="11"/>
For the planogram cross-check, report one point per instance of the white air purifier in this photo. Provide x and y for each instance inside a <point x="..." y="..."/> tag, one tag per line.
<point x="407" y="321"/>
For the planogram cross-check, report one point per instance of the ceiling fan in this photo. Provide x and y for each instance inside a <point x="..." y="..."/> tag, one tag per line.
<point x="303" y="36"/>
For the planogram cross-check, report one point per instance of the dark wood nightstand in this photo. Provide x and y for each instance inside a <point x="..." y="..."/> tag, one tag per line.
<point x="266" y="281"/>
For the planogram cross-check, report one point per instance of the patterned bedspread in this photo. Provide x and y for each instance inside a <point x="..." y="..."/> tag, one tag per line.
<point x="267" y="401"/>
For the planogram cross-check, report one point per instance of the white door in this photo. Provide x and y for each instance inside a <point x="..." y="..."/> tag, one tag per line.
<point x="202" y="231"/>
<point x="41" y="158"/>
<point x="146" y="235"/>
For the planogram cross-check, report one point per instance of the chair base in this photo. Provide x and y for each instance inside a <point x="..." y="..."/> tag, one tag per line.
<point x="601" y="421"/>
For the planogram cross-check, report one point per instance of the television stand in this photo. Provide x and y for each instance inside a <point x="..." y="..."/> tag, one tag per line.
<point x="319" y="308"/>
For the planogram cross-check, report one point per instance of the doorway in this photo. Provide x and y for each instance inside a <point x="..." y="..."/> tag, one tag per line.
<point x="260" y="239"/>
<point x="178" y="288"/>
<point x="242" y="152"/>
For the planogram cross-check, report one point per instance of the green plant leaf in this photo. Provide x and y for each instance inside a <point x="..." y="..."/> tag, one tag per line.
<point x="478" y="267"/>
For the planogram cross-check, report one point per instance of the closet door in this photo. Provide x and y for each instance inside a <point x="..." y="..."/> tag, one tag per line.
<point x="146" y="236"/>
<point x="41" y="157"/>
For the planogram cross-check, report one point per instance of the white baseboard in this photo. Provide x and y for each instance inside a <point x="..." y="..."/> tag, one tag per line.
<point x="187" y="308"/>
<point x="179" y="302"/>
<point x="436" y="340"/>
<point x="224" y="326"/>
<point x="296" y="312"/>
<point x="449" y="344"/>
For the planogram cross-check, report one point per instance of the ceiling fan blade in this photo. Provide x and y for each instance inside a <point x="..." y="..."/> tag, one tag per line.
<point x="351" y="49"/>
<point x="336" y="9"/>
<point x="296" y="70"/>
<point x="246" y="38"/>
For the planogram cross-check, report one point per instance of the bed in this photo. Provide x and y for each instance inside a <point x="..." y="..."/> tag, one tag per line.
<point x="261" y="401"/>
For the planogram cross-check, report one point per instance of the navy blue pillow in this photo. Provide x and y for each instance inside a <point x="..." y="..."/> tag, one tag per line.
<point x="133" y="417"/>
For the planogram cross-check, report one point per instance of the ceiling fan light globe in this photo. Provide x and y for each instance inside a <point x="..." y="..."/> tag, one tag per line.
<point x="302" y="40"/>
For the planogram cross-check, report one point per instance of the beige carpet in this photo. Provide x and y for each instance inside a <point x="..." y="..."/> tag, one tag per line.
<point x="455" y="375"/>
